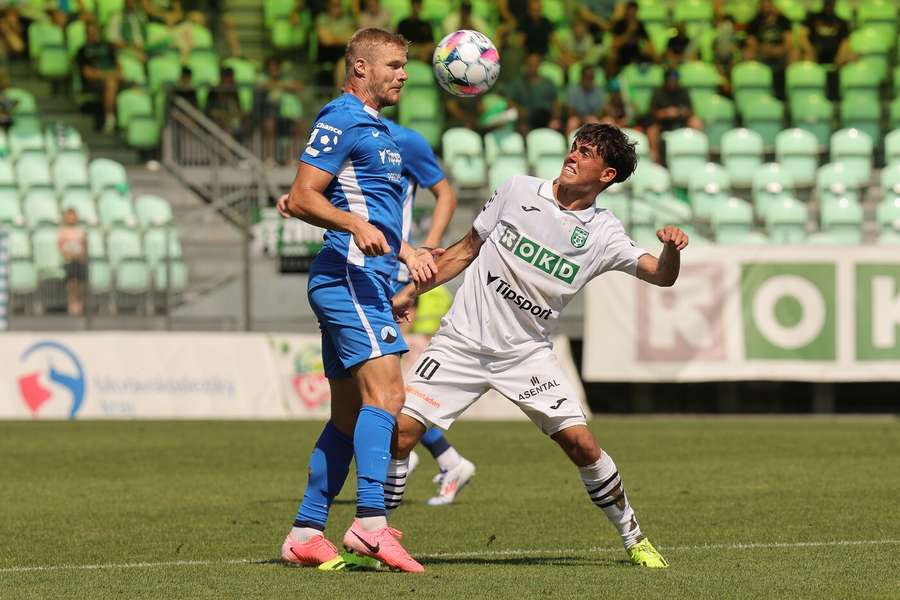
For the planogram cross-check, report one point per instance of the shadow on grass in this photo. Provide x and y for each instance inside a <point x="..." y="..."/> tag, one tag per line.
<point x="525" y="561"/>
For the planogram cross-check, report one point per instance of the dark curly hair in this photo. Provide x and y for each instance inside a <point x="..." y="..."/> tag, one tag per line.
<point x="613" y="145"/>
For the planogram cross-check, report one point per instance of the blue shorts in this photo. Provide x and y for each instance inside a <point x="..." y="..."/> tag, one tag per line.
<point x="354" y="312"/>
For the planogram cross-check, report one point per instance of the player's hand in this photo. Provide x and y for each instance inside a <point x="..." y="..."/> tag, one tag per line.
<point x="370" y="240"/>
<point x="673" y="236"/>
<point x="282" y="206"/>
<point x="421" y="264"/>
<point x="402" y="304"/>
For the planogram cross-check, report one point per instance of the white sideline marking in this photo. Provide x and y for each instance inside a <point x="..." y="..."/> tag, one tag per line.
<point x="469" y="554"/>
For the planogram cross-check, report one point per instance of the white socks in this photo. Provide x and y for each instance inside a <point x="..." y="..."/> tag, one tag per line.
<point x="395" y="484"/>
<point x="448" y="459"/>
<point x="604" y="486"/>
<point x="302" y="534"/>
<point x="372" y="523"/>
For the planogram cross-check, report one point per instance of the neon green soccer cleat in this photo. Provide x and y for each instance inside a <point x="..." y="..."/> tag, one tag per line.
<point x="348" y="561"/>
<point x="645" y="555"/>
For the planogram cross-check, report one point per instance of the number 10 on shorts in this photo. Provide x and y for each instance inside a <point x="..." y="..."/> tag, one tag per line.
<point x="427" y="368"/>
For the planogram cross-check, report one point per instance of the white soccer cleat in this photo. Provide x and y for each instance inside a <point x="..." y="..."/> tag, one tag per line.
<point x="453" y="482"/>
<point x="413" y="463"/>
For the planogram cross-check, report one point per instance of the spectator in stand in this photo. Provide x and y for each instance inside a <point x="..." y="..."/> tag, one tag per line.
<point x="72" y="244"/>
<point x="670" y="108"/>
<point x="418" y="33"/>
<point x="769" y="40"/>
<point x="584" y="100"/>
<point x="274" y="83"/>
<point x="596" y="13"/>
<point x="372" y="15"/>
<point x="725" y="48"/>
<point x="167" y="12"/>
<point x="184" y="88"/>
<point x="680" y="48"/>
<point x="224" y="106"/>
<point x="100" y="72"/>
<point x="631" y="43"/>
<point x="534" y="97"/>
<point x="7" y="105"/>
<point x="825" y="39"/>
<point x="127" y="30"/>
<point x="537" y="31"/>
<point x="334" y="28"/>
<point x="464" y="19"/>
<point x="617" y="111"/>
<point x="581" y="46"/>
<point x="12" y="37"/>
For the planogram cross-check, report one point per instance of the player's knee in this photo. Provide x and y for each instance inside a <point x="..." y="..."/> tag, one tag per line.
<point x="579" y="445"/>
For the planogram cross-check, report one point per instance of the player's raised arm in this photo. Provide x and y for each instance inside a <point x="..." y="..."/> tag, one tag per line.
<point x="663" y="271"/>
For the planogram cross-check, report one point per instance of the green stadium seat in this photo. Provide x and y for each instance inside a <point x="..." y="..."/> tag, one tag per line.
<point x="156" y="248"/>
<point x="121" y="244"/>
<point x="152" y="211"/>
<point x="872" y="46"/>
<point x="419" y="74"/>
<point x="42" y="34"/>
<point x="547" y="167"/>
<point x="132" y="277"/>
<point x="742" y="11"/>
<point x="772" y="182"/>
<point x="695" y="14"/>
<point x="70" y="171"/>
<point x="894" y="112"/>
<point x="841" y="220"/>
<point x="33" y="171"/>
<point x="853" y="148"/>
<point x="40" y="207"/>
<point x="856" y="79"/>
<point x="765" y="116"/>
<point x="750" y="80"/>
<point x="204" y="74"/>
<point x="732" y="222"/>
<point x="4" y="144"/>
<point x="653" y="13"/>
<point x="503" y="142"/>
<point x="642" y="144"/>
<point x="99" y="278"/>
<point x="83" y="203"/>
<point x="892" y="147"/>
<point x="643" y="224"/>
<point x="701" y="79"/>
<point x="286" y="36"/>
<point x="45" y="253"/>
<point x="76" y="36"/>
<point x="160" y="40"/>
<point x="888" y="220"/>
<point x="834" y="180"/>
<point x="798" y="152"/>
<point x="802" y="78"/>
<point x="463" y="154"/>
<point x="862" y="113"/>
<point x="429" y="129"/>
<point x="61" y="140"/>
<point x="163" y="71"/>
<point x="107" y="8"/>
<point x="708" y="186"/>
<point x="505" y="167"/>
<point x="132" y="68"/>
<point x="53" y="62"/>
<point x="436" y="11"/>
<point x="176" y="271"/>
<point x="545" y="143"/>
<point x="650" y="181"/>
<point x="276" y="9"/>
<point x="638" y="84"/>
<point x="816" y="117"/>
<point x="794" y="10"/>
<point x="105" y="174"/>
<point x="96" y="244"/>
<point x="671" y="211"/>
<point x="25" y="140"/>
<point x="18" y="242"/>
<point x="419" y="103"/>
<point x="786" y="221"/>
<point x="742" y="154"/>
<point x="10" y="208"/>
<point x="115" y="208"/>
<point x="717" y="114"/>
<point x="555" y="11"/>
<point x="880" y="15"/>
<point x="7" y="174"/>
<point x="143" y="132"/>
<point x="574" y="75"/>
<point x="245" y="75"/>
<point x="554" y="73"/>
<point x="686" y="150"/>
<point x="25" y="102"/>
<point x="23" y="279"/>
<point x="615" y="200"/>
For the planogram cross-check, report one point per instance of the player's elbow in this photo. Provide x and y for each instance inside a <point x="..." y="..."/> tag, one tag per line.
<point x="296" y="206"/>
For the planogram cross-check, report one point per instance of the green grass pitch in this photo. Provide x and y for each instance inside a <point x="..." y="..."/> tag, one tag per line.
<point x="741" y="507"/>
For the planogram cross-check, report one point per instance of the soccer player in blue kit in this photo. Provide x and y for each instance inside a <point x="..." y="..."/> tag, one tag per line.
<point x="421" y="168"/>
<point x="350" y="182"/>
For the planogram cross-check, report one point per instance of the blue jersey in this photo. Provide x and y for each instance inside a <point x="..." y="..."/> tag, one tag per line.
<point x="420" y="167"/>
<point x="350" y="141"/>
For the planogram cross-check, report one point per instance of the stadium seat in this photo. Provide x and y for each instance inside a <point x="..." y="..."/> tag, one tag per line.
<point x="45" y="253"/>
<point x="797" y="151"/>
<point x="545" y="143"/>
<point x="161" y="244"/>
<point x="639" y="82"/>
<point x="463" y="154"/>
<point x="643" y="224"/>
<point x="551" y="71"/>
<point x="245" y="76"/>
<point x="276" y="9"/>
<point x="650" y="181"/>
<point x="803" y="78"/>
<point x="105" y="173"/>
<point x="163" y="71"/>
<point x="23" y="278"/>
<point x="888" y="220"/>
<point x="750" y="80"/>
<point x="107" y="8"/>
<point x="115" y="208"/>
<point x="83" y="203"/>
<point x="18" y="242"/>
<point x="786" y="221"/>
<point x="894" y="113"/>
<point x="671" y="211"/>
<point x="879" y="15"/>
<point x="872" y="47"/>
<point x="862" y="113"/>
<point x="175" y="271"/>
<point x="152" y="211"/>
<point x="7" y="174"/>
<point x="686" y="150"/>
<point x="653" y="13"/>
<point x="732" y="222"/>
<point x="505" y="167"/>
<point x="765" y="116"/>
<point x="53" y="62"/>
<point x="143" y="132"/>
<point x="841" y="221"/>
<point x="856" y="79"/>
<point x="61" y="139"/>
<point x="892" y="147"/>
<point x="10" y="208"/>
<point x="701" y="79"/>
<point x="96" y="244"/>
<point x="503" y="142"/>
<point x="24" y="140"/>
<point x="642" y="144"/>
<point x="40" y="207"/>
<point x="742" y="154"/>
<point x="419" y="74"/>
<point x="708" y="186"/>
<point x="33" y="171"/>
<point x="771" y="184"/>
<point x="76" y="36"/>
<point x="615" y="200"/>
<point x="131" y="68"/>
<point x="122" y="244"/>
<point x="419" y="103"/>
<point x="835" y="180"/>
<point x="204" y="75"/>
<point x="717" y="114"/>
<point x="287" y="36"/>
<point x="853" y="148"/>
<point x="816" y="117"/>
<point x="70" y="171"/>
<point x="25" y="102"/>
<point x="695" y="14"/>
<point x="794" y="10"/>
<point x="43" y="33"/>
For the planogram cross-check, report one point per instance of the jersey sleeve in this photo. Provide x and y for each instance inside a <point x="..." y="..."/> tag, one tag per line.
<point x="622" y="253"/>
<point x="330" y="142"/>
<point x="489" y="217"/>
<point x="420" y="161"/>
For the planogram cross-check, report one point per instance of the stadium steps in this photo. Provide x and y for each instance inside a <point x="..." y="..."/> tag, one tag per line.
<point x="247" y="16"/>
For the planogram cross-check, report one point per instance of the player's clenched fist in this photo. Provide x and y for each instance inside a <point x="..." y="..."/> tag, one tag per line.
<point x="402" y="303"/>
<point x="282" y="206"/>
<point x="674" y="236"/>
<point x="370" y="240"/>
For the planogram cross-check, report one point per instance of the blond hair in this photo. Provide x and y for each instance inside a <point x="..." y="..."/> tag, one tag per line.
<point x="367" y="40"/>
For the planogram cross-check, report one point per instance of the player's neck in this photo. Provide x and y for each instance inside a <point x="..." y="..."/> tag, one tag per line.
<point x="363" y="94"/>
<point x="571" y="198"/>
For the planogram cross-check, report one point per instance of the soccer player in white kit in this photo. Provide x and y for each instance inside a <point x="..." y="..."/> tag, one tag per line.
<point x="534" y="245"/>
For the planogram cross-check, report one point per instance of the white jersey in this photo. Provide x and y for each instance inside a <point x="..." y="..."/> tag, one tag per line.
<point x="535" y="258"/>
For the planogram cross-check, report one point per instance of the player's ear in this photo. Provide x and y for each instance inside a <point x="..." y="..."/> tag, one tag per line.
<point x="608" y="175"/>
<point x="359" y="66"/>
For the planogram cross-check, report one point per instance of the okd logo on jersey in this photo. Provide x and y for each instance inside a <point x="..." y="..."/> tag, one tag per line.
<point x="504" y="289"/>
<point x="536" y="255"/>
<point x="538" y="388"/>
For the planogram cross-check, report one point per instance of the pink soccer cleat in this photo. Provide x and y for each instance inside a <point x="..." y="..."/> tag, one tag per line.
<point x="311" y="553"/>
<point x="382" y="544"/>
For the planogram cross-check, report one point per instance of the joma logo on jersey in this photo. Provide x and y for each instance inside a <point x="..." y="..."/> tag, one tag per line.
<point x="534" y="254"/>
<point x="537" y="388"/>
<point x="518" y="299"/>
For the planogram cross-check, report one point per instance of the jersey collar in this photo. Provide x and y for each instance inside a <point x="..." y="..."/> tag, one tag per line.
<point x="546" y="191"/>
<point x="365" y="106"/>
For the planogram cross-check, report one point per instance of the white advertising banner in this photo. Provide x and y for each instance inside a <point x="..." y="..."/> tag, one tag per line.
<point x="751" y="313"/>
<point x="180" y="375"/>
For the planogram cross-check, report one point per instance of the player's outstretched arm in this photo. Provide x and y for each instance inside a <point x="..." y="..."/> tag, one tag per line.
<point x="663" y="271"/>
<point x="419" y="261"/>
<point x="307" y="202"/>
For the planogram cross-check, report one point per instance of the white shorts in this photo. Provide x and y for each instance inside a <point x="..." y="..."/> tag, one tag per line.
<point x="453" y="372"/>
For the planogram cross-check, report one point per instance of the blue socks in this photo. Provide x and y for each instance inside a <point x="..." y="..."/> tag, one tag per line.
<point x="372" y="445"/>
<point x="329" y="465"/>
<point x="435" y="441"/>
